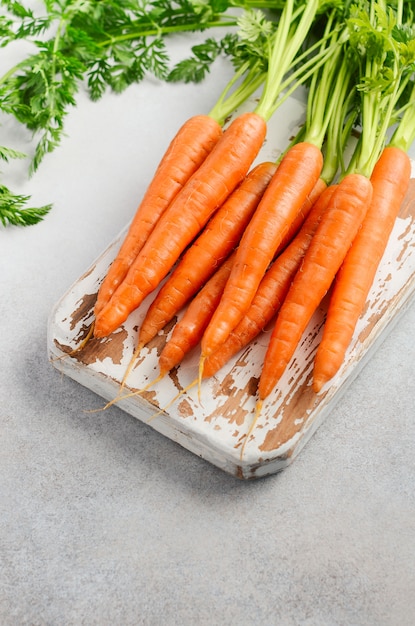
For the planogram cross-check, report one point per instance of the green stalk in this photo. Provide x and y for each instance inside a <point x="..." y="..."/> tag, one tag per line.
<point x="328" y="94"/>
<point x="16" y="68"/>
<point x="339" y="131"/>
<point x="286" y="79"/>
<point x="257" y="4"/>
<point x="404" y="134"/>
<point x="328" y="103"/>
<point x="291" y="34"/>
<point x="306" y="70"/>
<point x="372" y="115"/>
<point x="251" y="79"/>
<point x="224" y="21"/>
<point x="164" y="30"/>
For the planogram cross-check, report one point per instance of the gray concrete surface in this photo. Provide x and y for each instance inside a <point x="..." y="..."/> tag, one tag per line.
<point x="103" y="521"/>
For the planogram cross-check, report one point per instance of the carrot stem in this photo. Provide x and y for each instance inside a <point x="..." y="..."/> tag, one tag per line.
<point x="290" y="36"/>
<point x="404" y="134"/>
<point x="385" y="65"/>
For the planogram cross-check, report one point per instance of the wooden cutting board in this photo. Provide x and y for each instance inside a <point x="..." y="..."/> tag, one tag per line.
<point x="215" y="425"/>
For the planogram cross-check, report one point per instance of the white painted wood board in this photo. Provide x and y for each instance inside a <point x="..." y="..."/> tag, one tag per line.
<point x="215" y="427"/>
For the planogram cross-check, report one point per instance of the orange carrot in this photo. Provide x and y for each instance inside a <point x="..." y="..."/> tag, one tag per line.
<point x="220" y="236"/>
<point x="223" y="169"/>
<point x="302" y="214"/>
<point x="189" y="148"/>
<point x="293" y="181"/>
<point x="188" y="331"/>
<point x="271" y="291"/>
<point x="322" y="260"/>
<point x="390" y="181"/>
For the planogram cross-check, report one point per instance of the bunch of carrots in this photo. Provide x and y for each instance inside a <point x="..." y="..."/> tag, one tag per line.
<point x="239" y="246"/>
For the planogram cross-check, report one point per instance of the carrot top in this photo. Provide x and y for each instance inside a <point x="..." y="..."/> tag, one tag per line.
<point x="294" y="27"/>
<point x="279" y="54"/>
<point x="250" y="58"/>
<point x="383" y="46"/>
<point x="329" y="97"/>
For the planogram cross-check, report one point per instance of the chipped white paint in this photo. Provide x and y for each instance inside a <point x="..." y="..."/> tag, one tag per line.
<point x="215" y="427"/>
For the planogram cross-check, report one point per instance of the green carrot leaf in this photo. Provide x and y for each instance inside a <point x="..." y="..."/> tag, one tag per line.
<point x="6" y="154"/>
<point x="13" y="209"/>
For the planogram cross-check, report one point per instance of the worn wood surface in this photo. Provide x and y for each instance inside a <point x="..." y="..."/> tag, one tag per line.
<point x="215" y="425"/>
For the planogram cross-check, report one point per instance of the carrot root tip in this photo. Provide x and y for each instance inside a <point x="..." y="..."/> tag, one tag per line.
<point x="79" y="347"/>
<point x="130" y="367"/>
<point x="258" y="409"/>
<point x="172" y="401"/>
<point x="318" y="384"/>
<point x="200" y="378"/>
<point x="125" y="396"/>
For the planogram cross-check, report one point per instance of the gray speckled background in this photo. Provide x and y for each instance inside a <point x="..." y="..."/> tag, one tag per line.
<point x="104" y="521"/>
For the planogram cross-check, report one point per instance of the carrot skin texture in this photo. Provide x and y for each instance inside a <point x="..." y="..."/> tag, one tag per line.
<point x="322" y="260"/>
<point x="220" y="236"/>
<point x="222" y="170"/>
<point x="301" y="216"/>
<point x="293" y="181"/>
<point x="390" y="180"/>
<point x="188" y="331"/>
<point x="271" y="291"/>
<point x="185" y="153"/>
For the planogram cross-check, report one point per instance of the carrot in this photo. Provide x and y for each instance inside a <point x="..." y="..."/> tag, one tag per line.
<point x="318" y="189"/>
<point x="205" y="255"/>
<point x="272" y="289"/>
<point x="322" y="260"/>
<point x="293" y="181"/>
<point x="221" y="234"/>
<point x="390" y="180"/>
<point x="188" y="331"/>
<point x="216" y="178"/>
<point x="188" y="149"/>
